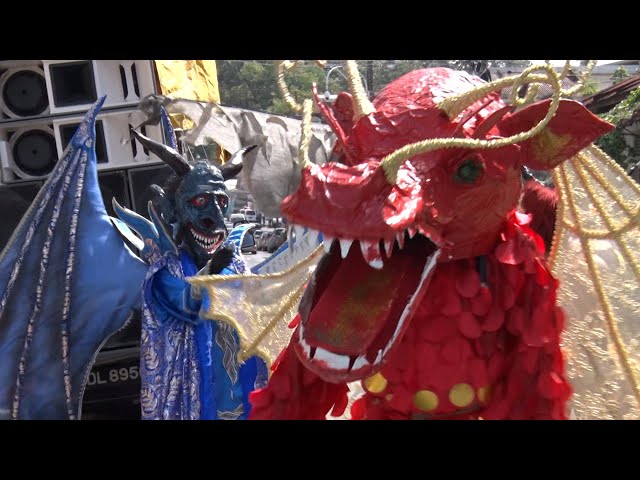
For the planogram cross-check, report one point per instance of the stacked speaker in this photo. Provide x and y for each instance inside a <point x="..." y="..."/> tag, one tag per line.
<point x="41" y="104"/>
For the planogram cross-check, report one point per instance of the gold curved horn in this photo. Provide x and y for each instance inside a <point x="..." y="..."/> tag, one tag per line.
<point x="582" y="78"/>
<point x="362" y="105"/>
<point x="455" y="105"/>
<point x="391" y="163"/>
<point x="281" y="67"/>
<point x="305" y="135"/>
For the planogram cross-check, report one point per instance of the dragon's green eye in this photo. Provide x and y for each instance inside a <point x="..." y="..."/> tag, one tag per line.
<point x="468" y="171"/>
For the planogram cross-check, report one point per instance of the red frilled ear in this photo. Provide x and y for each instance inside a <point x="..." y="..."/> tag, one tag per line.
<point x="343" y="111"/>
<point x="572" y="128"/>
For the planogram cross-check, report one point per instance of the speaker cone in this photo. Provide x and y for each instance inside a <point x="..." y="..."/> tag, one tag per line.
<point x="24" y="93"/>
<point x="34" y="151"/>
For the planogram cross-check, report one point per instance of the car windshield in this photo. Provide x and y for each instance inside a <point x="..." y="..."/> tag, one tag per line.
<point x="247" y="240"/>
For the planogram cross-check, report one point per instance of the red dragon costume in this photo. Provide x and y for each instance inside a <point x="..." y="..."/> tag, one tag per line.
<point x="435" y="292"/>
<point x="540" y="202"/>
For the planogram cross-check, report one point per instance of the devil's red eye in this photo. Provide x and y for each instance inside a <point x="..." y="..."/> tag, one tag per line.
<point x="200" y="201"/>
<point x="222" y="201"/>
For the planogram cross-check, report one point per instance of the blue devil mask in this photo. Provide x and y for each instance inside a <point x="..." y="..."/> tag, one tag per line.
<point x="194" y="199"/>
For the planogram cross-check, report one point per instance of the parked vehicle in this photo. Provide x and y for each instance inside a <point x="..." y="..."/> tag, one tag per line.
<point x="236" y="218"/>
<point x="250" y="215"/>
<point x="113" y="384"/>
<point x="264" y="239"/>
<point x="278" y="238"/>
<point x="249" y="244"/>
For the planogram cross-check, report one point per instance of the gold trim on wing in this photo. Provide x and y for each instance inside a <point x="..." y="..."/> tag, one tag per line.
<point x="606" y="374"/>
<point x="258" y="307"/>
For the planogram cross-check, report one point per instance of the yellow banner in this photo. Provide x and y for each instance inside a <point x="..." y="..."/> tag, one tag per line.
<point x="191" y="80"/>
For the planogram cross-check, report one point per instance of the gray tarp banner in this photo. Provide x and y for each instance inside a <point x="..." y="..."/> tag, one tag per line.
<point x="270" y="172"/>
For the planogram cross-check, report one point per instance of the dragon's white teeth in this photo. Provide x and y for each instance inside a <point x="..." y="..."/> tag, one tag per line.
<point x="328" y="241"/>
<point x="364" y="246"/>
<point x="400" y="240"/>
<point x="388" y="247"/>
<point x="412" y="232"/>
<point x="376" y="263"/>
<point x="345" y="245"/>
<point x="289" y="231"/>
<point x="371" y="253"/>
<point x="424" y="233"/>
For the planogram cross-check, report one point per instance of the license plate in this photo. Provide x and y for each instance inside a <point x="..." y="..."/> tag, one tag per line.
<point x="113" y="374"/>
<point x="112" y="381"/>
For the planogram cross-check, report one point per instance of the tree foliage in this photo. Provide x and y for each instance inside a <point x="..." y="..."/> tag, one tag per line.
<point x="252" y="84"/>
<point x="619" y="75"/>
<point x="614" y="143"/>
<point x="589" y="87"/>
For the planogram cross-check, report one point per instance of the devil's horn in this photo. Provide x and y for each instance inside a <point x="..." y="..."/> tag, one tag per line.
<point x="168" y="155"/>
<point x="234" y="165"/>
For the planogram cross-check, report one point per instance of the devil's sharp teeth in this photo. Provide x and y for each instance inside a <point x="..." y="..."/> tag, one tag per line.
<point x="400" y="240"/>
<point x="388" y="247"/>
<point x="289" y="230"/>
<point x="345" y="245"/>
<point x="412" y="232"/>
<point x="298" y="231"/>
<point x="328" y="241"/>
<point x="313" y="234"/>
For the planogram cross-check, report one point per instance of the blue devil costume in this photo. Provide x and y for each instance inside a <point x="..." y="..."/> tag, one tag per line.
<point x="68" y="282"/>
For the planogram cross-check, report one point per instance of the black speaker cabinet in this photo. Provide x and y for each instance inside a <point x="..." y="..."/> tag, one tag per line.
<point x="73" y="83"/>
<point x="67" y="131"/>
<point x="14" y="202"/>
<point x="114" y="184"/>
<point x="140" y="179"/>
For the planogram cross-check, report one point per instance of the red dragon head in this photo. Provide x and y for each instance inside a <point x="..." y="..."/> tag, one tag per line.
<point x="425" y="174"/>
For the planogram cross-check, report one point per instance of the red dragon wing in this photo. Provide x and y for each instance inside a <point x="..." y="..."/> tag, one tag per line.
<point x="596" y="256"/>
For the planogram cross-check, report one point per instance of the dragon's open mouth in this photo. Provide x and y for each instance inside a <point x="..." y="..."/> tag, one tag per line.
<point x="209" y="242"/>
<point x="359" y="303"/>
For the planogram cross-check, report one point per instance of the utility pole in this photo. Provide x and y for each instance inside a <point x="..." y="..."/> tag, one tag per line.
<point x="370" y="78"/>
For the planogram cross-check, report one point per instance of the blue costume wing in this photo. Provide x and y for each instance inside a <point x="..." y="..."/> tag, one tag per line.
<point x="67" y="283"/>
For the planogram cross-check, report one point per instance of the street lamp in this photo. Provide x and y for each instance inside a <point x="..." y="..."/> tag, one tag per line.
<point x="327" y="94"/>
